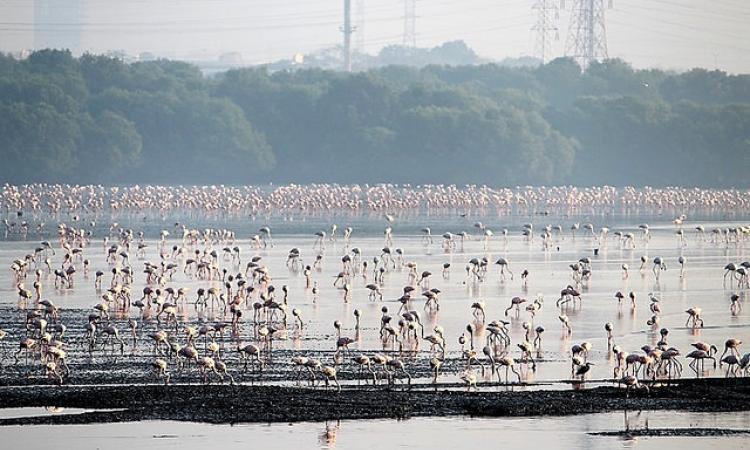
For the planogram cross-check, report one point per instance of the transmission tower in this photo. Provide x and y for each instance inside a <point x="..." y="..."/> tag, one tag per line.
<point x="347" y="29"/>
<point x="587" y="32"/>
<point x="359" y="37"/>
<point x="410" y="23"/>
<point x="548" y="12"/>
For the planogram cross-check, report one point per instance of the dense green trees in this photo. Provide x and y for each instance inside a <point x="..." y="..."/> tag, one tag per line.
<point x="97" y="119"/>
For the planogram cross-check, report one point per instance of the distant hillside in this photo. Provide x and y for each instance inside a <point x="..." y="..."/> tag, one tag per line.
<point x="455" y="53"/>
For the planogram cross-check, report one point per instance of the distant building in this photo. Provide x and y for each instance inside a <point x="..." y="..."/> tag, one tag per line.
<point x="58" y="24"/>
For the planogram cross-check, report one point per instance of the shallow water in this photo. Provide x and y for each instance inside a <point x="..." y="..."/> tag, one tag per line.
<point x="418" y="433"/>
<point x="12" y="413"/>
<point x="702" y="285"/>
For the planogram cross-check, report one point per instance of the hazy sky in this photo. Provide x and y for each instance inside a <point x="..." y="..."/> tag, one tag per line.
<point x="673" y="34"/>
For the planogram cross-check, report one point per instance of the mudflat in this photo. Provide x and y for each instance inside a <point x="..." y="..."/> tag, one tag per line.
<point x="268" y="403"/>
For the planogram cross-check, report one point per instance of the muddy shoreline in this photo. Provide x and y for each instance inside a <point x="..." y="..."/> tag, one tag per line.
<point x="674" y="432"/>
<point x="225" y="404"/>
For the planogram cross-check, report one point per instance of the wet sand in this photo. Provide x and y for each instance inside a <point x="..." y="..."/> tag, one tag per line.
<point x="246" y="404"/>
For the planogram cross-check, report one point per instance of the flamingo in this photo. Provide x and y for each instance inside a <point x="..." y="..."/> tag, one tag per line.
<point x="504" y="266"/>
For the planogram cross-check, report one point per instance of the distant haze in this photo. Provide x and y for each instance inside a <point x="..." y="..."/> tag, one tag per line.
<point x="669" y="34"/>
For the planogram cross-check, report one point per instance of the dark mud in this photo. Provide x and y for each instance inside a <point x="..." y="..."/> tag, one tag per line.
<point x="242" y="403"/>
<point x="107" y="364"/>
<point x="675" y="432"/>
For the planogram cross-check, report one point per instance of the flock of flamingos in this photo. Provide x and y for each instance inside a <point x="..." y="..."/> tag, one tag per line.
<point x="142" y="307"/>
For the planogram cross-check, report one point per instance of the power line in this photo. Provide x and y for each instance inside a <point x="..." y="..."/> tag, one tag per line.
<point x="711" y="9"/>
<point x="348" y="30"/>
<point x="330" y="14"/>
<point x="688" y="41"/>
<point x="688" y="22"/>
<point x="410" y="23"/>
<point x="688" y="26"/>
<point x="448" y="33"/>
<point x="548" y="13"/>
<point x="359" y="9"/>
<point x="587" y="32"/>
